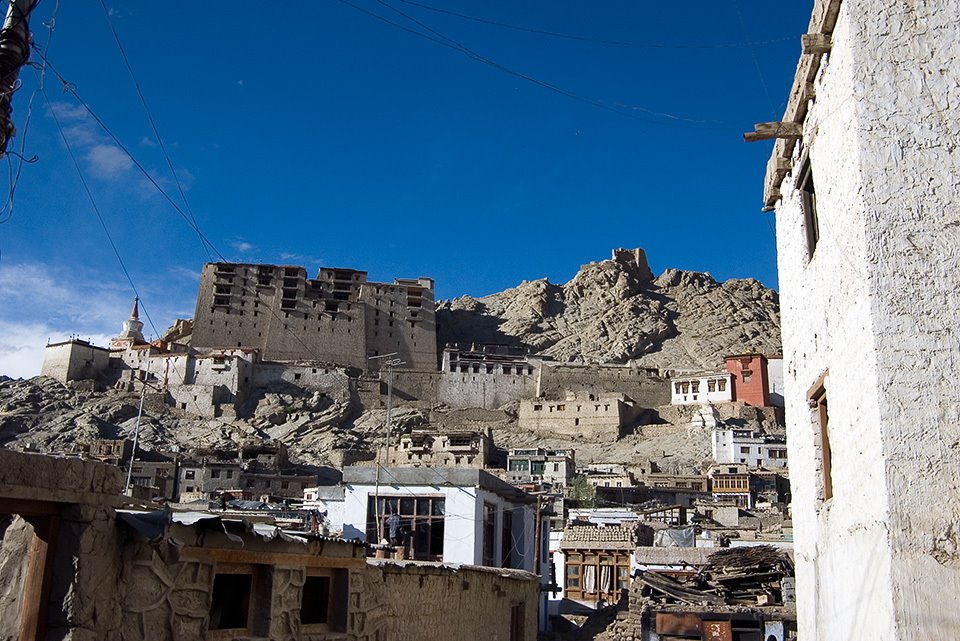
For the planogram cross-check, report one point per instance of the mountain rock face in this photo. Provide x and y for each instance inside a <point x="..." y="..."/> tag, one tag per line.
<point x="615" y="311"/>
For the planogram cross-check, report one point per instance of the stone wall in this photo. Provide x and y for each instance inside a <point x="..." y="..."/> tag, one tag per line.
<point x="144" y="578"/>
<point x="644" y="386"/>
<point x="435" y="603"/>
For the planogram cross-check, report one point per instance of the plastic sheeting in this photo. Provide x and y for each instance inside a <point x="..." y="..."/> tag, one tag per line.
<point x="675" y="538"/>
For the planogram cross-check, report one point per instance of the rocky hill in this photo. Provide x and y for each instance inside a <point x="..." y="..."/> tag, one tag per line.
<point x="613" y="310"/>
<point x="616" y="311"/>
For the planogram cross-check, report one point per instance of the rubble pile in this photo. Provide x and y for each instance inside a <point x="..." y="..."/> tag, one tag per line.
<point x="741" y="576"/>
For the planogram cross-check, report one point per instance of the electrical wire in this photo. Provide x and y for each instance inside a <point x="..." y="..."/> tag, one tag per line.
<point x="69" y="88"/>
<point x="634" y="111"/>
<point x="153" y="126"/>
<point x="6" y="211"/>
<point x="621" y="43"/>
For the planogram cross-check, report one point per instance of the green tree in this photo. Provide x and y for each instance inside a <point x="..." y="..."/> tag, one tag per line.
<point x="581" y="492"/>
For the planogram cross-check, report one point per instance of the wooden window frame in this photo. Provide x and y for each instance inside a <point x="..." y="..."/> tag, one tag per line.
<point x="808" y="205"/>
<point x="820" y="418"/>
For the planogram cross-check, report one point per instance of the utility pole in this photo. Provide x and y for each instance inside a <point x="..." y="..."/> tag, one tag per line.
<point x="390" y="362"/>
<point x="136" y="430"/>
<point x="14" y="52"/>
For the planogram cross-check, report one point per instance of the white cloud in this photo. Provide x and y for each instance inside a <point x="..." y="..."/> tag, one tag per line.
<point x="108" y="161"/>
<point x="147" y="142"/>
<point x="242" y="246"/>
<point x="301" y="259"/>
<point x="42" y="302"/>
<point x="22" y="346"/>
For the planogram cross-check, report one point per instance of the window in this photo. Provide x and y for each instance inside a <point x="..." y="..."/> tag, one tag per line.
<point x="489" y="532"/>
<point x="419" y="525"/>
<point x="315" y="600"/>
<point x="722" y="385"/>
<point x="820" y="419"/>
<point x="711" y="386"/>
<point x="215" y="474"/>
<point x="745" y="449"/>
<point x="230" y="602"/>
<point x="189" y="475"/>
<point x="595" y="574"/>
<point x="808" y="203"/>
<point x="506" y="540"/>
<point x="537" y="408"/>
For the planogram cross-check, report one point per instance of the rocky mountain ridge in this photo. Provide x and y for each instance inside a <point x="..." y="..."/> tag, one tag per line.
<point x="616" y="311"/>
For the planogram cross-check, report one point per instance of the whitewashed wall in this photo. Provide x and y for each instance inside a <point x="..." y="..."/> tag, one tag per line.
<point x="877" y="307"/>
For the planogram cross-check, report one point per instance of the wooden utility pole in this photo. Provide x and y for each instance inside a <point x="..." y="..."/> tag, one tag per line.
<point x="14" y="52"/>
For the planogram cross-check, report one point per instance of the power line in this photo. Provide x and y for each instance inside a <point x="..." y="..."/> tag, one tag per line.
<point x="634" y="111"/>
<point x="153" y="124"/>
<point x="69" y="88"/>
<point x="6" y="212"/>
<point x="621" y="43"/>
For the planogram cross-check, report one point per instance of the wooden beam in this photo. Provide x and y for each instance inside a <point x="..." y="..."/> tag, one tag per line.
<point x="39" y="576"/>
<point x="815" y="43"/>
<point x="221" y="555"/>
<point x="770" y="130"/>
<point x="809" y="91"/>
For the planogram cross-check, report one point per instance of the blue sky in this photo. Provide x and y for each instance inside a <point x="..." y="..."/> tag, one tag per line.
<point x="314" y="133"/>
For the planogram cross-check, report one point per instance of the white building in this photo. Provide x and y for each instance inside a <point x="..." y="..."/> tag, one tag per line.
<point x="865" y="180"/>
<point x="755" y="449"/>
<point x="690" y="389"/>
<point x="453" y="515"/>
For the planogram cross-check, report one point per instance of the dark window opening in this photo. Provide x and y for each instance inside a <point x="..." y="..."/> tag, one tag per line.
<point x="489" y="532"/>
<point x="808" y="203"/>
<point x="230" y="603"/>
<point x="315" y="602"/>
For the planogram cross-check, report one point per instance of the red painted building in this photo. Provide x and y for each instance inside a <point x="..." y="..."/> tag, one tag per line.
<point x="750" y="382"/>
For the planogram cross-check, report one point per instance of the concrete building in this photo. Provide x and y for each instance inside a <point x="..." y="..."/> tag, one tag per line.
<point x="755" y="449"/>
<point x="338" y="317"/>
<point x="600" y="416"/>
<point x="865" y="181"/>
<point x="538" y="465"/>
<point x="690" y="389"/>
<point x="750" y="379"/>
<point x="445" y="514"/>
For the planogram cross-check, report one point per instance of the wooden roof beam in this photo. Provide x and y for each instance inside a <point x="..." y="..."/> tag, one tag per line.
<point x="815" y="43"/>
<point x="771" y="130"/>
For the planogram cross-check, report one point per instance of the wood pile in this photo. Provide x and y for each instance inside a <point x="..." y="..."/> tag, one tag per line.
<point x="745" y="576"/>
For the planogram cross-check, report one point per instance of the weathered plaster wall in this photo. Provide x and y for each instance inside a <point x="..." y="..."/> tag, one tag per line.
<point x="877" y="307"/>
<point x="74" y="360"/>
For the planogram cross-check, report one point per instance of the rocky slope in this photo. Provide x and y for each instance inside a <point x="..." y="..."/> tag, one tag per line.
<point x="610" y="311"/>
<point x="616" y="311"/>
<point x="318" y="431"/>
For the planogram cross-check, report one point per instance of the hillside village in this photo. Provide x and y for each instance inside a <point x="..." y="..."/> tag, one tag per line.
<point x="333" y="458"/>
<point x="605" y="419"/>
